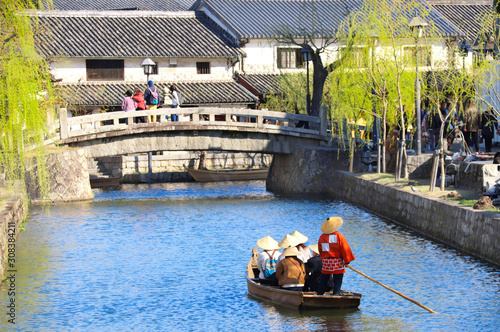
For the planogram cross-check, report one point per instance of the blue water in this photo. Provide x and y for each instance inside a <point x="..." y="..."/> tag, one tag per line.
<point x="171" y="257"/>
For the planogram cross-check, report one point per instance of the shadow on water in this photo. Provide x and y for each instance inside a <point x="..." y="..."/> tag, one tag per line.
<point x="323" y="319"/>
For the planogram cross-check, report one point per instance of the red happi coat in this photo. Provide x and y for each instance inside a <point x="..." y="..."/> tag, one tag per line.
<point x="334" y="252"/>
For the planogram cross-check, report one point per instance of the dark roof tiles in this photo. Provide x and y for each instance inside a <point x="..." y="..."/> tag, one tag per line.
<point x="150" y="5"/>
<point x="261" y="18"/>
<point x="262" y="84"/>
<point x="137" y="34"/>
<point x="193" y="93"/>
<point x="466" y="17"/>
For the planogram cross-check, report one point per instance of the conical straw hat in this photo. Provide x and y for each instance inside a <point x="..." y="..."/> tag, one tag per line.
<point x="267" y="243"/>
<point x="314" y="247"/>
<point x="289" y="241"/>
<point x="290" y="251"/>
<point x="301" y="237"/>
<point x="331" y="224"/>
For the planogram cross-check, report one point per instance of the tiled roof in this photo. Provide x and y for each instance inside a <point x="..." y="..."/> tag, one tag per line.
<point x="257" y="18"/>
<point x="260" y="84"/>
<point x="150" y="5"/>
<point x="131" y="34"/>
<point x="466" y="17"/>
<point x="193" y="93"/>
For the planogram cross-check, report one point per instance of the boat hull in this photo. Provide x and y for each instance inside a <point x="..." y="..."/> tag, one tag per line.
<point x="228" y="175"/>
<point x="301" y="300"/>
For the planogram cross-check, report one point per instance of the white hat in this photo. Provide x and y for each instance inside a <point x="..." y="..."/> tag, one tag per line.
<point x="314" y="247"/>
<point x="289" y="241"/>
<point x="301" y="237"/>
<point x="331" y="224"/>
<point x="290" y="251"/>
<point x="267" y="243"/>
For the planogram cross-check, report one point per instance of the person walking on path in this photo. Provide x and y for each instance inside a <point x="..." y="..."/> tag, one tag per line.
<point x="472" y="125"/>
<point x="489" y="125"/>
<point x="152" y="98"/>
<point x="335" y="254"/>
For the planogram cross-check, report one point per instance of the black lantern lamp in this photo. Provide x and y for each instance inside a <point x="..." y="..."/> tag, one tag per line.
<point x="306" y="56"/>
<point x="148" y="65"/>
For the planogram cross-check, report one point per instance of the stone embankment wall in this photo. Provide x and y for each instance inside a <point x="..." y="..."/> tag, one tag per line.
<point x="11" y="219"/>
<point x="68" y="176"/>
<point x="320" y="171"/>
<point x="170" y="165"/>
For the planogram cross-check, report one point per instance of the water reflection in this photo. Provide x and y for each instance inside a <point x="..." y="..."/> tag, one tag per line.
<point x="172" y="257"/>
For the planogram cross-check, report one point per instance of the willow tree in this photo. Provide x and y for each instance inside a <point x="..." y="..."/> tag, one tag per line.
<point x="379" y="64"/>
<point x="24" y="90"/>
<point x="313" y="32"/>
<point x="290" y="96"/>
<point x="486" y="71"/>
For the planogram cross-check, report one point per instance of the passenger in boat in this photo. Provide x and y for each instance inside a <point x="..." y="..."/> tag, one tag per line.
<point x="335" y="254"/>
<point x="291" y="273"/>
<point x="289" y="241"/>
<point x="267" y="260"/>
<point x="313" y="272"/>
<point x="301" y="247"/>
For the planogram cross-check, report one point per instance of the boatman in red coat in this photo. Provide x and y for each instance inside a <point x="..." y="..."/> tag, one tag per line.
<point x="335" y="254"/>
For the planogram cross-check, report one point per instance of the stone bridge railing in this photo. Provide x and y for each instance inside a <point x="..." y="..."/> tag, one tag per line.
<point x="197" y="118"/>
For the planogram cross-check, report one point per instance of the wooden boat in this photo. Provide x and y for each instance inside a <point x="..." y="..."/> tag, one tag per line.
<point x="104" y="182"/>
<point x="299" y="300"/>
<point x="201" y="175"/>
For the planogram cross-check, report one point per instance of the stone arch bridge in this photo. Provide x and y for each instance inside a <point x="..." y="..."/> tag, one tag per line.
<point x="198" y="129"/>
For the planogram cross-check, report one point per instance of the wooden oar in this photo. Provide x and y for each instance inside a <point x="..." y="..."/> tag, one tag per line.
<point x="392" y="290"/>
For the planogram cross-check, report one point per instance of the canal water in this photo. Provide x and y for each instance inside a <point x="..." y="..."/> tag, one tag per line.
<point x="171" y="257"/>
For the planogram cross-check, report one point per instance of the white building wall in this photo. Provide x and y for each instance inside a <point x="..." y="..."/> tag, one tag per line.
<point x="73" y="70"/>
<point x="262" y="55"/>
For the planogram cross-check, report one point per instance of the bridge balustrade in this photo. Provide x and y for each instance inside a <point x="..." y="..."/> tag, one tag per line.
<point x="192" y="118"/>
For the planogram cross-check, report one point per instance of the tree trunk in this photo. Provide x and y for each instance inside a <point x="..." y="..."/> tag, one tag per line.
<point x="320" y="74"/>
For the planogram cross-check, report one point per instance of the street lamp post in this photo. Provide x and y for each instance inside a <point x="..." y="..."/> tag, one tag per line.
<point x="417" y="25"/>
<point x="148" y="65"/>
<point x="464" y="49"/>
<point x="306" y="55"/>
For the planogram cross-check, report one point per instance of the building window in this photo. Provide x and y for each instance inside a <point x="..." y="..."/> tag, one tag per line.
<point x="203" y="67"/>
<point x="105" y="70"/>
<point x="424" y="55"/>
<point x="289" y="58"/>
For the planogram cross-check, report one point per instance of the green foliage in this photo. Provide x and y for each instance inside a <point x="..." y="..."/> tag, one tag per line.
<point x="24" y="89"/>
<point x="377" y="78"/>
<point x="291" y="95"/>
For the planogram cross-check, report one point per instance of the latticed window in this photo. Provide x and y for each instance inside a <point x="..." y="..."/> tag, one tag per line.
<point x="105" y="70"/>
<point x="289" y="58"/>
<point x="203" y="67"/>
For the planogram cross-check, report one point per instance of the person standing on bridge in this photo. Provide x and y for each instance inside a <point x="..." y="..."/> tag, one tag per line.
<point x="175" y="101"/>
<point x="141" y="105"/>
<point x="152" y="98"/>
<point x="335" y="254"/>
<point x="128" y="104"/>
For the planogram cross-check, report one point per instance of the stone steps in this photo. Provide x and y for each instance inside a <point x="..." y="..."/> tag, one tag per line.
<point x="97" y="169"/>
